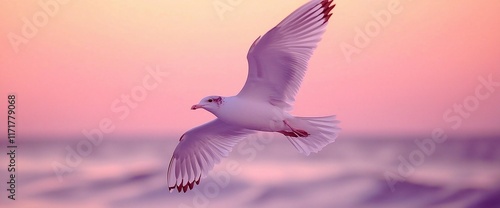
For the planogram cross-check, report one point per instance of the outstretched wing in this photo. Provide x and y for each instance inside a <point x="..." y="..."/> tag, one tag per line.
<point x="278" y="60"/>
<point x="199" y="150"/>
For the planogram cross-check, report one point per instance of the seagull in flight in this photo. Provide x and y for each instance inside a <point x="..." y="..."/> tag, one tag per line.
<point x="277" y="63"/>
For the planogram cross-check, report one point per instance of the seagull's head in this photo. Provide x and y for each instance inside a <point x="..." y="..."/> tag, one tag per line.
<point x="210" y="103"/>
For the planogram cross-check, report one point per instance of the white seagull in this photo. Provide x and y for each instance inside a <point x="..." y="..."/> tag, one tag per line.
<point x="277" y="63"/>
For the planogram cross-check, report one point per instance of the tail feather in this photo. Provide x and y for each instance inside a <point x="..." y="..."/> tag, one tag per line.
<point x="322" y="131"/>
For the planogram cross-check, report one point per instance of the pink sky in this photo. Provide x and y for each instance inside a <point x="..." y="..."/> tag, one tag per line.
<point x="427" y="58"/>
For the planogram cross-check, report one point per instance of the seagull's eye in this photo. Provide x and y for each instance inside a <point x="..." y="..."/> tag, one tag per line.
<point x="210" y="100"/>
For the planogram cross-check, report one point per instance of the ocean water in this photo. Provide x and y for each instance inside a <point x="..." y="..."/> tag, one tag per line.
<point x="355" y="171"/>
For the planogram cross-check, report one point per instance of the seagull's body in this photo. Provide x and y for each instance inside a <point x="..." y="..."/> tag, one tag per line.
<point x="277" y="63"/>
<point x="257" y="115"/>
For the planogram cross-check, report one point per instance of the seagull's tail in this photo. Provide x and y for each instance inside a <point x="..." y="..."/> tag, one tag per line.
<point x="311" y="134"/>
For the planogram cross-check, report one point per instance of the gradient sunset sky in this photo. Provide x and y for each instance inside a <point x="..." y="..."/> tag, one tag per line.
<point x="428" y="57"/>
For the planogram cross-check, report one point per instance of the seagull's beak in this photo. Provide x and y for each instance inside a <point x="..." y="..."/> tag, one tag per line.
<point x="194" y="107"/>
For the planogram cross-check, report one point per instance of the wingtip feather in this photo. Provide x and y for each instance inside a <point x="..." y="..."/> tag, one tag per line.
<point x="181" y="187"/>
<point x="327" y="9"/>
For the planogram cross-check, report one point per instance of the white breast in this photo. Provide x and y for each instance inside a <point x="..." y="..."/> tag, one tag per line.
<point x="252" y="114"/>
